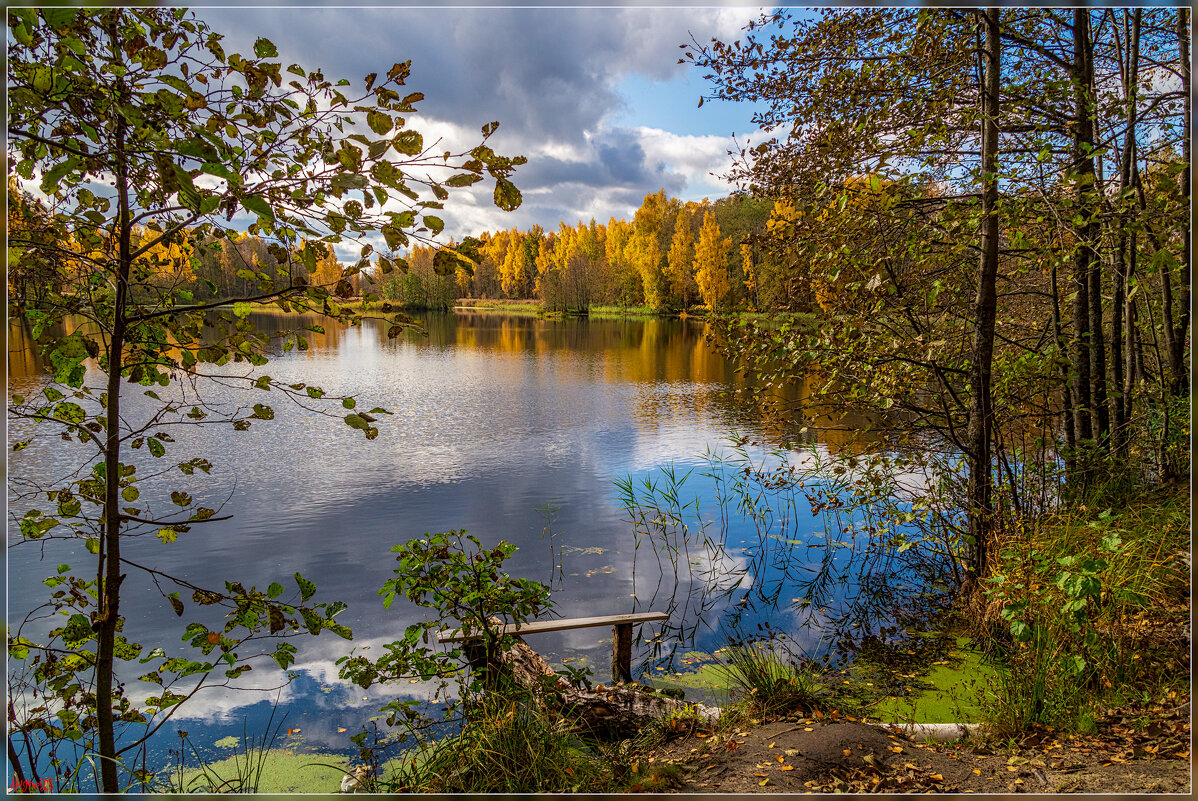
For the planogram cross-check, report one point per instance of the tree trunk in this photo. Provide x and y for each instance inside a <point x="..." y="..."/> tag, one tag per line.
<point x="1067" y="407"/>
<point x="1180" y="375"/>
<point x="1121" y="396"/>
<point x="1083" y="255"/>
<point x="1090" y="211"/>
<point x="108" y="613"/>
<point x="981" y="413"/>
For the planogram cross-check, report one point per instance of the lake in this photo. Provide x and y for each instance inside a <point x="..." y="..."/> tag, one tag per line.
<point x="511" y="427"/>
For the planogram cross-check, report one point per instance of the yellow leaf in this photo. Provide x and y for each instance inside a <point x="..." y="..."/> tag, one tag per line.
<point x="341" y="729"/>
<point x="936" y="777"/>
<point x="787" y="767"/>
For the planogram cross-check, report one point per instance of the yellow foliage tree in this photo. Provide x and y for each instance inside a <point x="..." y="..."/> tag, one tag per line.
<point x="711" y="263"/>
<point x="512" y="276"/>
<point x="681" y="257"/>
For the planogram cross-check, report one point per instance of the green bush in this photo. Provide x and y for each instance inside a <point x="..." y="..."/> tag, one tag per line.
<point x="1076" y="594"/>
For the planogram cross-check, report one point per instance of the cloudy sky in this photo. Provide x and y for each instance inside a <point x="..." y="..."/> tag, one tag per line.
<point x="594" y="97"/>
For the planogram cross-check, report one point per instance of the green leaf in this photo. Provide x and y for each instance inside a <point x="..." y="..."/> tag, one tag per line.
<point x="167" y="535"/>
<point x="34" y="526"/>
<point x="507" y="196"/>
<point x="59" y="18"/>
<point x="350" y="180"/>
<point x="284" y="655"/>
<point x="435" y="224"/>
<point x="357" y="421"/>
<point x="157" y="653"/>
<point x="221" y="171"/>
<point x="410" y="143"/>
<point x="130" y="494"/>
<point x="379" y="122"/>
<point x="463" y="179"/>
<point x="69" y="412"/>
<point x="57" y="172"/>
<point x="395" y="237"/>
<point x="445" y="262"/>
<point x="349" y="403"/>
<point x="265" y="48"/>
<point x="156" y="447"/>
<point x="274" y="590"/>
<point x="18" y="647"/>
<point x="21" y="34"/>
<point x="307" y="589"/>
<point x="259" y="206"/>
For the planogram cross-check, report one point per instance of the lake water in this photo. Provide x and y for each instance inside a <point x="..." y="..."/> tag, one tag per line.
<point x="511" y="427"/>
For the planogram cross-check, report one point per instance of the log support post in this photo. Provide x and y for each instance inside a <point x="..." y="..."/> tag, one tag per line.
<point x="621" y="653"/>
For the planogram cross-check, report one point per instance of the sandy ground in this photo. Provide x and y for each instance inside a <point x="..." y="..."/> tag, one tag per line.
<point x="797" y="755"/>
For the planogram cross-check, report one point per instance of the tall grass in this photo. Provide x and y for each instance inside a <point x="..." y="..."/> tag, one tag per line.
<point x="507" y="746"/>
<point x="764" y="684"/>
<point x="1081" y="604"/>
<point x="241" y="773"/>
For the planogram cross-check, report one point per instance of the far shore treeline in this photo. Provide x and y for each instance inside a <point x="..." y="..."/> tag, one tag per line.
<point x="670" y="256"/>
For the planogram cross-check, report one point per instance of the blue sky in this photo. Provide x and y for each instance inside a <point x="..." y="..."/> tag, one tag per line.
<point x="594" y="97"/>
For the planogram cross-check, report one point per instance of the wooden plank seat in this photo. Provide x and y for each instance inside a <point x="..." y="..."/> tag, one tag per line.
<point x="621" y="663"/>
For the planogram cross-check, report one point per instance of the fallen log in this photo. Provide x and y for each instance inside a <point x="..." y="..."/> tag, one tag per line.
<point x="618" y="710"/>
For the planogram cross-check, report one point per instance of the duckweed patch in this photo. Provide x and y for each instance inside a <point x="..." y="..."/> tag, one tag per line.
<point x="952" y="691"/>
<point x="283" y="771"/>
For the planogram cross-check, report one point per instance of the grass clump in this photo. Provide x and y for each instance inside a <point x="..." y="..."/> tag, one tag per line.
<point x="765" y="684"/>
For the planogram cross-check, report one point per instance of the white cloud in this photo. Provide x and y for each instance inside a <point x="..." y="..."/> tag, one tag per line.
<point x="550" y="76"/>
<point x="696" y="157"/>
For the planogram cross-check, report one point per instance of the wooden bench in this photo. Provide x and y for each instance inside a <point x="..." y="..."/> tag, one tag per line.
<point x="621" y="649"/>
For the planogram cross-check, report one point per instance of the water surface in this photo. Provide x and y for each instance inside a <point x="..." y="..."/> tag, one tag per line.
<point x="510" y="427"/>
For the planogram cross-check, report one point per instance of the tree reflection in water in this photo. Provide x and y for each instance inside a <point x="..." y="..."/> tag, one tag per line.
<point x="839" y="553"/>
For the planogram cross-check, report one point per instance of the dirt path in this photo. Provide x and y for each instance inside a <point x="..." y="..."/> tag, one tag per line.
<point x="798" y="755"/>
